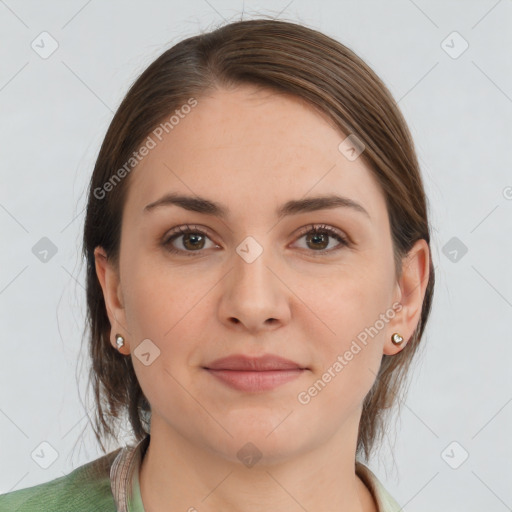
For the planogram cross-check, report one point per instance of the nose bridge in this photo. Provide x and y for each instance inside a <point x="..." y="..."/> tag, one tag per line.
<point x="253" y="295"/>
<point x="251" y="275"/>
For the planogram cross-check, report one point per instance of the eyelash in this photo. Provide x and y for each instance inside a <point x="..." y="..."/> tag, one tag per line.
<point x="310" y="229"/>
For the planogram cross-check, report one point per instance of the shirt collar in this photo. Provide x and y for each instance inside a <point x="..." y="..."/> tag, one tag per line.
<point x="124" y="477"/>
<point x="124" y="481"/>
<point x="385" y="502"/>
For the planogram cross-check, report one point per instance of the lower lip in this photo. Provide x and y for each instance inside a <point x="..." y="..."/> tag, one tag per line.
<point x="255" y="381"/>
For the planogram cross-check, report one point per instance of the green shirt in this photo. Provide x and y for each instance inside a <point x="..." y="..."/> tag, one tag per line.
<point x="111" y="484"/>
<point x="107" y="484"/>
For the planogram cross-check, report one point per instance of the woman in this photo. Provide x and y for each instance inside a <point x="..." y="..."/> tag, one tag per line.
<point x="259" y="279"/>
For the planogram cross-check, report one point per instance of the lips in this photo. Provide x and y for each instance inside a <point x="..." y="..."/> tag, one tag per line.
<point x="254" y="374"/>
<point x="264" y="363"/>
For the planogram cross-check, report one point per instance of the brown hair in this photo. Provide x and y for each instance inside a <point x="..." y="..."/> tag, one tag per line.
<point x="287" y="58"/>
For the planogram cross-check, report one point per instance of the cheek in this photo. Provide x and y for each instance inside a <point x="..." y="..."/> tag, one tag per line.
<point x="350" y="301"/>
<point x="350" y="327"/>
<point x="145" y="305"/>
<point x="159" y="309"/>
<point x="156" y="297"/>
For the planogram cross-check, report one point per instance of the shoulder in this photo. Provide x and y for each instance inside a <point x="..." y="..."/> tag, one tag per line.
<point x="86" y="487"/>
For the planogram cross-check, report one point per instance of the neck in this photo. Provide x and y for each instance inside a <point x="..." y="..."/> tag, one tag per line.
<point x="176" y="475"/>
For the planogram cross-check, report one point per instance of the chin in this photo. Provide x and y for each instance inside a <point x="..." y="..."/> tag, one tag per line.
<point x="261" y="442"/>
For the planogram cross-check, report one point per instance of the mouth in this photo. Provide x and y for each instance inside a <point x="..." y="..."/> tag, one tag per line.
<point x="254" y="374"/>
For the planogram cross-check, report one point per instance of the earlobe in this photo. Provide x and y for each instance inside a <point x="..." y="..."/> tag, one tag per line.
<point x="108" y="276"/>
<point x="411" y="292"/>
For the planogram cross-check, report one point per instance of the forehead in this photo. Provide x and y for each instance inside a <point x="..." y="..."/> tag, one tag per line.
<point x="249" y="144"/>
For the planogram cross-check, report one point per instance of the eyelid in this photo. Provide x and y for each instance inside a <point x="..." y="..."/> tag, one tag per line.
<point x="321" y="227"/>
<point x="186" y="228"/>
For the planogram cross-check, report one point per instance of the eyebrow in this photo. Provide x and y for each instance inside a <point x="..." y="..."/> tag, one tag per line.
<point x="292" y="207"/>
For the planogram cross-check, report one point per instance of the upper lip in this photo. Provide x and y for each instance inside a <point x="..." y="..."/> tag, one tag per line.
<point x="242" y="362"/>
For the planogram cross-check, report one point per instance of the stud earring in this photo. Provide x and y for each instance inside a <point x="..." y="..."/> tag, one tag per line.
<point x="397" y="339"/>
<point x="119" y="341"/>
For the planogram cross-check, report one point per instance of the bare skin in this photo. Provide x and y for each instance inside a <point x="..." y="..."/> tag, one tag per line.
<point x="251" y="151"/>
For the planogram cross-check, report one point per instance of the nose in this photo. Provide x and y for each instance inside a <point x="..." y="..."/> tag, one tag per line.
<point x="254" y="296"/>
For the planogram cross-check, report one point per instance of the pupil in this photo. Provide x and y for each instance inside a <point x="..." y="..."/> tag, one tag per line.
<point x="316" y="238"/>
<point x="194" y="238"/>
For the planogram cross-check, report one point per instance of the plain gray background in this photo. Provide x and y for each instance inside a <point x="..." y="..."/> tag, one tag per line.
<point x="458" y="104"/>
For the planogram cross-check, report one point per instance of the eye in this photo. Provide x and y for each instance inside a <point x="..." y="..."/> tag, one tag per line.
<point x="317" y="238"/>
<point x="193" y="240"/>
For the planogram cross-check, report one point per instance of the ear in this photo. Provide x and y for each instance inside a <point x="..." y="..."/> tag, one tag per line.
<point x="108" y="277"/>
<point x="410" y="293"/>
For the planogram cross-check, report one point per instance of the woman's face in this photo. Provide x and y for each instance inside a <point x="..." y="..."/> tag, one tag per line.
<point x="253" y="282"/>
